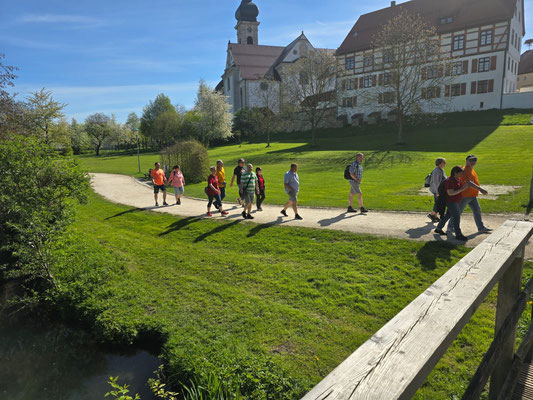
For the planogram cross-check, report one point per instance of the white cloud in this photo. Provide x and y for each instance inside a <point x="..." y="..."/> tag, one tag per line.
<point x="61" y="19"/>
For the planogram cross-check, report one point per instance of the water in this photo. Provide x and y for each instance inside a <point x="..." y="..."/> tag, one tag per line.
<point x="51" y="361"/>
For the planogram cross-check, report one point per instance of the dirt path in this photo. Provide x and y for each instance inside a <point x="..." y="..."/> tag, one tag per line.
<point x="404" y="225"/>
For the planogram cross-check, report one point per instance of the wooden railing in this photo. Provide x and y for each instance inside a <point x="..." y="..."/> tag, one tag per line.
<point x="396" y="360"/>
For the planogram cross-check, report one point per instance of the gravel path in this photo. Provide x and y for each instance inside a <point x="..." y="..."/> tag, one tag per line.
<point x="403" y="225"/>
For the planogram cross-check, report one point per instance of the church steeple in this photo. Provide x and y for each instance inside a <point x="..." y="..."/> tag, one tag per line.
<point x="247" y="24"/>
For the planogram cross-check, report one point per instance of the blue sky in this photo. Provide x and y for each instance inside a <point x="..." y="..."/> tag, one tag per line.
<point x="115" y="56"/>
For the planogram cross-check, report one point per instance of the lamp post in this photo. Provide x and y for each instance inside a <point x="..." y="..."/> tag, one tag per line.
<point x="138" y="155"/>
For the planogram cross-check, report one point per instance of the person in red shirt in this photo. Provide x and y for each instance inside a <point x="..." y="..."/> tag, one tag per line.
<point x="261" y="185"/>
<point x="159" y="180"/>
<point x="213" y="193"/>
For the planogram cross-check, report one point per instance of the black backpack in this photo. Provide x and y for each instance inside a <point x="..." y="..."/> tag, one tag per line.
<point x="347" y="173"/>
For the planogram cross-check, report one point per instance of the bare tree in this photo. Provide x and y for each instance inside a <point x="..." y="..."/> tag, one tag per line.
<point x="414" y="68"/>
<point x="529" y="42"/>
<point x="308" y="87"/>
<point x="267" y="118"/>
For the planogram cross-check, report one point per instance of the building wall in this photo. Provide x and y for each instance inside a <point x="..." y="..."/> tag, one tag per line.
<point x="518" y="100"/>
<point x="525" y="82"/>
<point x="513" y="53"/>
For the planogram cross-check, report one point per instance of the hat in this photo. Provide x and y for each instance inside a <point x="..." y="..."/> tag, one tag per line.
<point x="471" y="157"/>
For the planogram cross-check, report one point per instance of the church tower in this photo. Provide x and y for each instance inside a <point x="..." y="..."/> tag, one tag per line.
<point x="247" y="25"/>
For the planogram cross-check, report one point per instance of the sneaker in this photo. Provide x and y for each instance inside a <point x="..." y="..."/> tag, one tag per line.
<point x="440" y="232"/>
<point x="485" y="230"/>
<point x="462" y="238"/>
<point x="156" y="204"/>
<point x="209" y="214"/>
<point x="259" y="209"/>
<point x="239" y="201"/>
<point x="364" y="210"/>
<point x="244" y="214"/>
<point x="433" y="218"/>
<point x="248" y="216"/>
<point x="297" y="216"/>
<point x="179" y="201"/>
<point x="351" y="210"/>
<point x="284" y="213"/>
<point x="224" y="213"/>
<point x="165" y="203"/>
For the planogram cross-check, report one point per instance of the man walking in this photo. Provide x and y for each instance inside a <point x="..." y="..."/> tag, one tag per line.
<point x="470" y="195"/>
<point x="237" y="172"/>
<point x="159" y="180"/>
<point x="356" y="175"/>
<point x="249" y="187"/>
<point x="292" y="187"/>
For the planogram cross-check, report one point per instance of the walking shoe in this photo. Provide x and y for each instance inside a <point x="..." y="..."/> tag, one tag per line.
<point x="209" y="214"/>
<point x="462" y="238"/>
<point x="224" y="212"/>
<point x="165" y="203"/>
<point x="440" y="232"/>
<point x="433" y="218"/>
<point x="351" y="210"/>
<point x="179" y="201"/>
<point x="363" y="210"/>
<point x="156" y="204"/>
<point x="297" y="216"/>
<point x="259" y="209"/>
<point x="284" y="213"/>
<point x="248" y="216"/>
<point x="244" y="214"/>
<point x="485" y="230"/>
<point x="239" y="201"/>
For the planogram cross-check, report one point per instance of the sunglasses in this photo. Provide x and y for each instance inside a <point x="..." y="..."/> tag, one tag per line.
<point x="473" y="160"/>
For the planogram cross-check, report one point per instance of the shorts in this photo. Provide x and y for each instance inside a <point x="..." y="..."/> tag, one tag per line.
<point x="241" y="193"/>
<point x="293" y="196"/>
<point x="178" y="190"/>
<point x="157" y="187"/>
<point x="354" y="187"/>
<point x="249" y="197"/>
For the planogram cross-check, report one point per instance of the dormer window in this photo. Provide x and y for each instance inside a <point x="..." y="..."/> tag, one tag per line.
<point x="355" y="33"/>
<point x="446" y="20"/>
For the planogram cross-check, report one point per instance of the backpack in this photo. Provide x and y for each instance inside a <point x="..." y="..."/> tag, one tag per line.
<point x="427" y="181"/>
<point x="441" y="200"/>
<point x="347" y="173"/>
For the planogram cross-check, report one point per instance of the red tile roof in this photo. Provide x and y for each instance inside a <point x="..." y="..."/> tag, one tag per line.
<point x="465" y="13"/>
<point x="254" y="60"/>
<point x="526" y="63"/>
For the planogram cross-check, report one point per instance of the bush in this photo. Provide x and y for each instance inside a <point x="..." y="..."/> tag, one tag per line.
<point x="192" y="156"/>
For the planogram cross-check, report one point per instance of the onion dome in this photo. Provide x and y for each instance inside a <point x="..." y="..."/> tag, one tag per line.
<point x="247" y="12"/>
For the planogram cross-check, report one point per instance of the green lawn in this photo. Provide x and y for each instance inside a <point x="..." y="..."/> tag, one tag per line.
<point x="393" y="173"/>
<point x="269" y="309"/>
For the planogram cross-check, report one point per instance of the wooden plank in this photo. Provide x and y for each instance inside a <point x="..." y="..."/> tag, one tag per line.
<point x="398" y="358"/>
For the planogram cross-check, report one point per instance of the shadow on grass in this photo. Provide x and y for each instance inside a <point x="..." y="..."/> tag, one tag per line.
<point x="258" y="228"/>
<point x="431" y="251"/>
<point x="180" y="224"/>
<point x="218" y="229"/>
<point x="131" y="211"/>
<point x="334" y="220"/>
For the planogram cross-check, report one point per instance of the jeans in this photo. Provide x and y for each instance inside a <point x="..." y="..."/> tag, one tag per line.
<point x="222" y="192"/>
<point x="260" y="197"/>
<point x="454" y="212"/>
<point x="473" y="203"/>
<point x="214" y="199"/>
<point x="435" y="198"/>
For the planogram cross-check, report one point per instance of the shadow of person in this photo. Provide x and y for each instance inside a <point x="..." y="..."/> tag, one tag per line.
<point x="180" y="224"/>
<point x="416" y="233"/>
<point x="338" y="218"/>
<point x="131" y="211"/>
<point x="258" y="228"/>
<point x="218" y="229"/>
<point x="433" y="251"/>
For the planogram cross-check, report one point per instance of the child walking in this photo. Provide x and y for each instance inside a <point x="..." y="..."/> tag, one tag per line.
<point x="261" y="184"/>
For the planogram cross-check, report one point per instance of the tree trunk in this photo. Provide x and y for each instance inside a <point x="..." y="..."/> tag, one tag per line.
<point x="268" y="139"/>
<point x="97" y="150"/>
<point x="313" y="134"/>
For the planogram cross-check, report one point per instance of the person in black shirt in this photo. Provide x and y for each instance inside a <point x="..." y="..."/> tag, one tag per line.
<point x="237" y="172"/>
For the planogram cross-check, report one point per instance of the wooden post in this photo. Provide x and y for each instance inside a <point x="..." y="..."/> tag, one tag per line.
<point x="508" y="292"/>
<point x="530" y="205"/>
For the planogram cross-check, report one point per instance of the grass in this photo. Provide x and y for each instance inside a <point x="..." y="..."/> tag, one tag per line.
<point x="269" y="309"/>
<point x="393" y="173"/>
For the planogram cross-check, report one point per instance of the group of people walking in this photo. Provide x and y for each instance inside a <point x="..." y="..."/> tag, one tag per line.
<point x="452" y="194"/>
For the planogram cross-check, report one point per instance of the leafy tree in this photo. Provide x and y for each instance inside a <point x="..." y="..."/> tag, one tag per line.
<point x="308" y="88"/>
<point x="148" y="127"/>
<point x="214" y="109"/>
<point x="191" y="155"/>
<point x="38" y="200"/>
<point x="529" y="42"/>
<point x="190" y="122"/>
<point x="79" y="140"/>
<point x="11" y="111"/>
<point x="98" y="128"/>
<point x="44" y="112"/>
<point x="411" y="55"/>
<point x="167" y="126"/>
<point x="244" y="121"/>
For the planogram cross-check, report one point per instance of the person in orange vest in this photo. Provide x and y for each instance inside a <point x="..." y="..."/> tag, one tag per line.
<point x="470" y="195"/>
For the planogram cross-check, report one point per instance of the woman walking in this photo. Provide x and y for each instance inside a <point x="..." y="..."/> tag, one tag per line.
<point x="221" y="175"/>
<point x="213" y="193"/>
<point x="437" y="176"/>
<point x="177" y="181"/>
<point x="261" y="185"/>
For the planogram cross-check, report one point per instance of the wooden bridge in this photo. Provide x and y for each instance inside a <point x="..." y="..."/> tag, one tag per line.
<point x="395" y="362"/>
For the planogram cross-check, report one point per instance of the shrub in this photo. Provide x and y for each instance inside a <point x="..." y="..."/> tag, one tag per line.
<point x="191" y="155"/>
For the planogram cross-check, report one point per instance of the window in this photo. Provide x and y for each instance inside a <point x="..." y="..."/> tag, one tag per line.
<point x="304" y="79"/>
<point x="457" y="68"/>
<point x="459" y="42"/>
<point x="446" y="20"/>
<point x="350" y="63"/>
<point x="263" y="86"/>
<point x="368" y="61"/>
<point x="348" y="102"/>
<point x="229" y="86"/>
<point x="387" y="78"/>
<point x="482" y="86"/>
<point x="486" y="37"/>
<point x="250" y="40"/>
<point x="350" y="84"/>
<point x="483" y="64"/>
<point x="432" y="92"/>
<point x="432" y="72"/>
<point x="388" y="97"/>
<point x="509" y="63"/>
<point x="367" y="81"/>
<point x="512" y="37"/>
<point x="456" y="89"/>
<point x="387" y="56"/>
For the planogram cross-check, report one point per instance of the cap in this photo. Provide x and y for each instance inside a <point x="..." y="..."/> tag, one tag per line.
<point x="471" y="157"/>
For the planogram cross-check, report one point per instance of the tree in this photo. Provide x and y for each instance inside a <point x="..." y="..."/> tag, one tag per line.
<point x="79" y="140"/>
<point x="244" y="122"/>
<point x="11" y="111"/>
<point x="44" y="112"/>
<point x="214" y="109"/>
<point x="160" y="105"/>
<point x="414" y="67"/>
<point x="308" y="87"/>
<point x="39" y="197"/>
<point x="98" y="128"/>
<point x="267" y="118"/>
<point x="167" y="126"/>
<point x="529" y="42"/>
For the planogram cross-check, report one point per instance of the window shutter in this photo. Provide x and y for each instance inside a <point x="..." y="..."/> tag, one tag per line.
<point x="355" y="82"/>
<point x="373" y="80"/>
<point x="380" y="79"/>
<point x="361" y="82"/>
<point x="424" y="73"/>
<point x="474" y="66"/>
<point x="440" y="71"/>
<point x="463" y="89"/>
<point x="344" y="102"/>
<point x="448" y="69"/>
<point x="447" y="90"/>
<point x="343" y="86"/>
<point x="491" y="85"/>
<point x="424" y="92"/>
<point x="355" y="101"/>
<point x="473" y="87"/>
<point x="437" y="92"/>
<point x="465" y="67"/>
<point x="493" y="62"/>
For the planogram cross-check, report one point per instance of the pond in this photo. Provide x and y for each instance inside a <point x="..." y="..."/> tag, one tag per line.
<point x="52" y="361"/>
